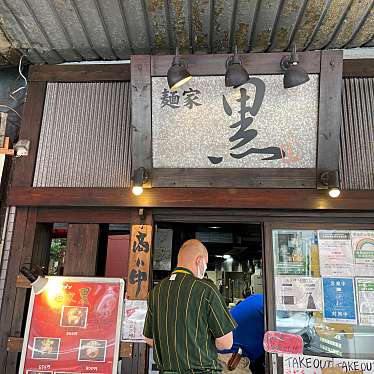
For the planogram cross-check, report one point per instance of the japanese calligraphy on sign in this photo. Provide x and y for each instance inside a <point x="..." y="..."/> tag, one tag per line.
<point x="140" y="253"/>
<point x="259" y="125"/>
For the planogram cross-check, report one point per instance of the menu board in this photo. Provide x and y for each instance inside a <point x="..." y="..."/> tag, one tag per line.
<point x="74" y="326"/>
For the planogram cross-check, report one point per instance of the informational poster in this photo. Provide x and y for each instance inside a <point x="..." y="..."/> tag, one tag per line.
<point x="365" y="300"/>
<point x="335" y="253"/>
<point x="162" y="249"/>
<point x="339" y="302"/>
<point x="300" y="364"/>
<point x="73" y="326"/>
<point x="363" y="252"/>
<point x="133" y="320"/>
<point x="292" y="252"/>
<point x="298" y="293"/>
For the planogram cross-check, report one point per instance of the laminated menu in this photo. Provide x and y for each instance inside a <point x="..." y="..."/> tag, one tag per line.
<point x="74" y="326"/>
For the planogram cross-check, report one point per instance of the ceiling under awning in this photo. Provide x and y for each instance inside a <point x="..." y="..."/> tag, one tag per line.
<point x="56" y="31"/>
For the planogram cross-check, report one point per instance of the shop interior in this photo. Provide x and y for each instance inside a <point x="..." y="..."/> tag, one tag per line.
<point x="235" y="255"/>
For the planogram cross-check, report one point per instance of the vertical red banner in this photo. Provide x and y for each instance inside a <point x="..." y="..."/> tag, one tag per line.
<point x="73" y="327"/>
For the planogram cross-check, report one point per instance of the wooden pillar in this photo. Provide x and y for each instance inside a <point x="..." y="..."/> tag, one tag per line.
<point x="81" y="250"/>
<point x="13" y="306"/>
<point x="138" y="363"/>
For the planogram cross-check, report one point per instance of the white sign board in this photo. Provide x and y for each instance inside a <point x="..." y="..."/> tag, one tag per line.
<point x="300" y="364"/>
<point x="365" y="300"/>
<point x="363" y="252"/>
<point x="259" y="125"/>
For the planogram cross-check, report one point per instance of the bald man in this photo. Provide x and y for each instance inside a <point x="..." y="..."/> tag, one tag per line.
<point x="187" y="319"/>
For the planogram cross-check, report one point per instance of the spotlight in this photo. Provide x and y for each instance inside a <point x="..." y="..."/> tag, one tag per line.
<point x="294" y="74"/>
<point x="235" y="75"/>
<point x="140" y="177"/>
<point x="178" y="74"/>
<point x="330" y="179"/>
<point x="38" y="282"/>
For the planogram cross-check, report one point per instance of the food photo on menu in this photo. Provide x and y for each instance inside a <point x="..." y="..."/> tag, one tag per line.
<point x="74" y="316"/>
<point x="46" y="348"/>
<point x="92" y="350"/>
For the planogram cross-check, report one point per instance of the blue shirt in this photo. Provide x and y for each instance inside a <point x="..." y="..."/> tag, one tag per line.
<point x="249" y="335"/>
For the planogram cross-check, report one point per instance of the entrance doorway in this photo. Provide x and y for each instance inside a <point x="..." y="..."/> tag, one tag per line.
<point x="235" y="262"/>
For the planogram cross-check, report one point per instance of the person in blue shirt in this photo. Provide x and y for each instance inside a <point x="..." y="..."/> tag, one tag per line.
<point x="249" y="335"/>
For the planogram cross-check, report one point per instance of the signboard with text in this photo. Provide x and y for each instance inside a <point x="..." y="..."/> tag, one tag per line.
<point x="74" y="326"/>
<point x="139" y="262"/>
<point x="258" y="125"/>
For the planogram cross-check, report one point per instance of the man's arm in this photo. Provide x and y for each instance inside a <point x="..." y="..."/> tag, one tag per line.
<point x="147" y="331"/>
<point x="225" y="341"/>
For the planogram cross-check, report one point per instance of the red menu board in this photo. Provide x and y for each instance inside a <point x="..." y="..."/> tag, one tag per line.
<point x="74" y="327"/>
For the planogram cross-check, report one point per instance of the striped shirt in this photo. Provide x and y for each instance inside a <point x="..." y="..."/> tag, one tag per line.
<point x="185" y="315"/>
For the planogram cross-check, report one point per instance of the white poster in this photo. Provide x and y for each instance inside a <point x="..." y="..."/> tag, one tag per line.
<point x="133" y="320"/>
<point x="335" y="253"/>
<point x="298" y="293"/>
<point x="363" y="252"/>
<point x="365" y="300"/>
<point x="299" y="364"/>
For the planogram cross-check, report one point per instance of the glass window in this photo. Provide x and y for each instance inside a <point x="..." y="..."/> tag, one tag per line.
<point x="324" y="289"/>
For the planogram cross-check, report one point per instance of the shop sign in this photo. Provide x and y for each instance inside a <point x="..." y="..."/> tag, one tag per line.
<point x="300" y="364"/>
<point x="258" y="125"/>
<point x="74" y="326"/>
<point x="139" y="261"/>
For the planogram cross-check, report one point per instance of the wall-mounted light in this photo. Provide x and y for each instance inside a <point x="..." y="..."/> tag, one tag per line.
<point x="178" y="74"/>
<point x="140" y="177"/>
<point x="330" y="179"/>
<point x="235" y="75"/>
<point x="38" y="282"/>
<point x="294" y="74"/>
<point x="22" y="147"/>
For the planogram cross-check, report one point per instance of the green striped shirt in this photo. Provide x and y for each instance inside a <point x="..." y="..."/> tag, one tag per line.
<point x="185" y="315"/>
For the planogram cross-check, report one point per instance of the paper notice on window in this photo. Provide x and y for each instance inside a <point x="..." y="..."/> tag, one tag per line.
<point x="363" y="252"/>
<point x="298" y="293"/>
<point x="339" y="301"/>
<point x="300" y="364"/>
<point x="133" y="320"/>
<point x="365" y="300"/>
<point x="335" y="253"/>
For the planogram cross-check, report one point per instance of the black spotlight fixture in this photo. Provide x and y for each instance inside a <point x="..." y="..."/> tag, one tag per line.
<point x="178" y="74"/>
<point x="294" y="74"/>
<point x="140" y="177"/>
<point x="36" y="277"/>
<point x="331" y="180"/>
<point x="235" y="75"/>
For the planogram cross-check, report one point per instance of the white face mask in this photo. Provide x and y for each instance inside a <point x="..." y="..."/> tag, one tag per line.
<point x="200" y="275"/>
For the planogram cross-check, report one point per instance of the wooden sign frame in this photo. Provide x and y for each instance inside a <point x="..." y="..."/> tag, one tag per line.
<point x="329" y="66"/>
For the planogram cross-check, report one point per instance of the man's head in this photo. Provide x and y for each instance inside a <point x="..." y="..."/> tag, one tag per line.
<point x="193" y="256"/>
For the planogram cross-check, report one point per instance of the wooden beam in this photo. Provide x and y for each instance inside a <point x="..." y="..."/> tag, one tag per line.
<point x="141" y="112"/>
<point x="330" y="113"/>
<point x="30" y="129"/>
<point x="80" y="73"/>
<point x="246" y="198"/>
<point x="255" y="63"/>
<point x="238" y="178"/>
<point x="81" y="250"/>
<point x="15" y="345"/>
<point x="83" y="215"/>
<point x="358" y="68"/>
